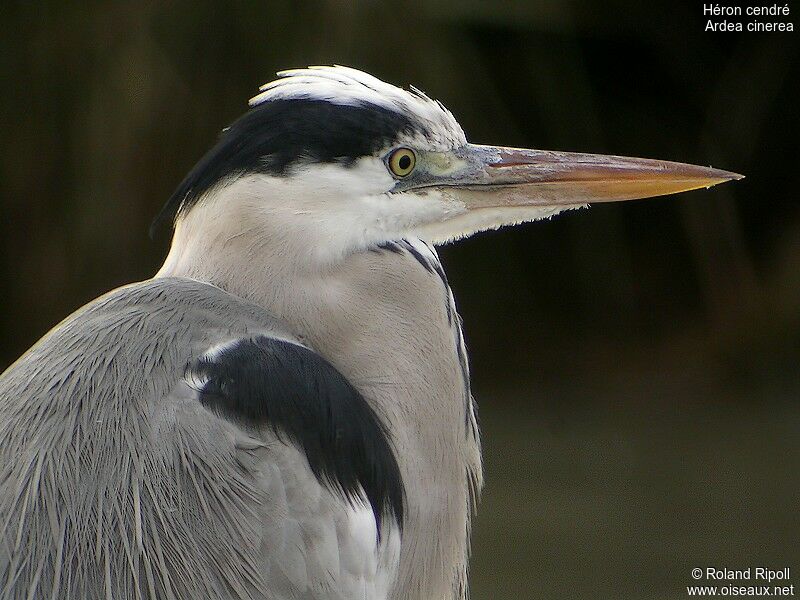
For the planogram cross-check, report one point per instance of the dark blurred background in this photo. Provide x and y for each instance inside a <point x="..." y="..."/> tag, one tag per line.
<point x="636" y="365"/>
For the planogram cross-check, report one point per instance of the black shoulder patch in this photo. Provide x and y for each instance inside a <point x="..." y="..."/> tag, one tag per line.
<point x="267" y="381"/>
<point x="272" y="136"/>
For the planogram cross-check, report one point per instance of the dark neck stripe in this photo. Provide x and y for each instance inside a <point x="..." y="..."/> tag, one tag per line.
<point x="434" y="266"/>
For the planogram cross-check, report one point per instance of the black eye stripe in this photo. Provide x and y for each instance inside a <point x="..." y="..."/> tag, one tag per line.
<point x="274" y="135"/>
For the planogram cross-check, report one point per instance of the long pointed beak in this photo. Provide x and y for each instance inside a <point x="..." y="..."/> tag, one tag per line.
<point x="520" y="177"/>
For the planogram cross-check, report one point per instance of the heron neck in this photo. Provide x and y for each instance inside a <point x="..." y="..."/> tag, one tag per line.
<point x="383" y="320"/>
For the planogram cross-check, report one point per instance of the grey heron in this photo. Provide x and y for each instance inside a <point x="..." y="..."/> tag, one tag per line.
<point x="284" y="410"/>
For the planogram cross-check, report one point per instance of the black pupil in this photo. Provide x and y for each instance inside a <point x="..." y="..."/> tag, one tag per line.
<point x="404" y="162"/>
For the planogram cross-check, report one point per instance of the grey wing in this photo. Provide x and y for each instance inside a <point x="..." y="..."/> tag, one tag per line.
<point x="171" y="442"/>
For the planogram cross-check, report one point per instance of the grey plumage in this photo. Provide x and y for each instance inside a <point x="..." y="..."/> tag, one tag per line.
<point x="112" y="489"/>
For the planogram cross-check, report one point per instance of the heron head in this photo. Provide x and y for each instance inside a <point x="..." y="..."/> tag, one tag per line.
<point x="335" y="161"/>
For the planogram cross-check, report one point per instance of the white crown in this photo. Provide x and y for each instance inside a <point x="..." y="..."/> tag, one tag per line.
<point x="351" y="87"/>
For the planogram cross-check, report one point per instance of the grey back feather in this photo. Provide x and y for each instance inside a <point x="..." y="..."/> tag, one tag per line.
<point x="116" y="483"/>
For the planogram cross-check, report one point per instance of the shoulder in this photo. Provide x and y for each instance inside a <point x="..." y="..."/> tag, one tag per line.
<point x="175" y="297"/>
<point x="269" y="382"/>
<point x="268" y="423"/>
<point x="124" y="351"/>
<point x="174" y="315"/>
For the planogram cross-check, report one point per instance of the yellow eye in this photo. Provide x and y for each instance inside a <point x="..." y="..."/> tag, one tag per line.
<point x="402" y="161"/>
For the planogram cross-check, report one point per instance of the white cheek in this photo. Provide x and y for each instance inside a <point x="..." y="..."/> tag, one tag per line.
<point x="400" y="215"/>
<point x="320" y="213"/>
<point x="354" y="208"/>
<point x="368" y="176"/>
